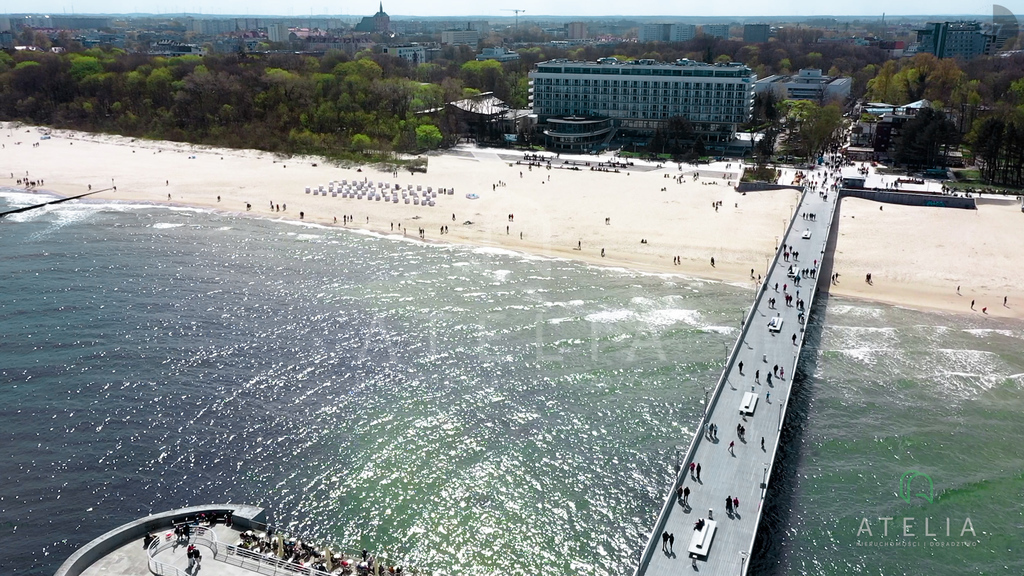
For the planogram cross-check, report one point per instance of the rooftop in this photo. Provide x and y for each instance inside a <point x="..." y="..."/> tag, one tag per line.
<point x="644" y="63"/>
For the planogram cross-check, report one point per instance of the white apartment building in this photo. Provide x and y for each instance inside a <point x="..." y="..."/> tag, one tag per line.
<point x="642" y="94"/>
<point x="808" y="84"/>
<point x="468" y="37"/>
<point x="666" y="32"/>
<point x="715" y="30"/>
<point x="412" y="52"/>
<point x="499" y="53"/>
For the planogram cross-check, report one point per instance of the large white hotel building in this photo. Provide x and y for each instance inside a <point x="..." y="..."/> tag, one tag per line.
<point x="581" y="102"/>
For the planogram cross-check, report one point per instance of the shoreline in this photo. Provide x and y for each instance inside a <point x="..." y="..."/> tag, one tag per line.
<point x="671" y="209"/>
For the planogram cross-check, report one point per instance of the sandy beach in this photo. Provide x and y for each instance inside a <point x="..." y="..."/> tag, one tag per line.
<point x="917" y="256"/>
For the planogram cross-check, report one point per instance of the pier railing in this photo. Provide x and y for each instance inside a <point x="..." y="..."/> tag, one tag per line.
<point x="784" y="410"/>
<point x="227" y="553"/>
<point x="652" y="542"/>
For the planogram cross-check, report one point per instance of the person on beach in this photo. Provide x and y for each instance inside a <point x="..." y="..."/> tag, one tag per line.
<point x="712" y="261"/>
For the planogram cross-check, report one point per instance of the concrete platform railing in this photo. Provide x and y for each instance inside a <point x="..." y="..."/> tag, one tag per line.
<point x="260" y="563"/>
<point x="203" y="537"/>
<point x="244" y="516"/>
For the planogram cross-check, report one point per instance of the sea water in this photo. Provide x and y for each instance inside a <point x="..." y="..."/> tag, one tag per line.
<point x="463" y="410"/>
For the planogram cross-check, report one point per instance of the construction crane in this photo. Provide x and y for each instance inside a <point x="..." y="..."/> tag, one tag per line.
<point x="517" y="11"/>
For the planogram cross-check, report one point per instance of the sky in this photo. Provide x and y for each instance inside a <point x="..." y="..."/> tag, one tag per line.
<point x="532" y="8"/>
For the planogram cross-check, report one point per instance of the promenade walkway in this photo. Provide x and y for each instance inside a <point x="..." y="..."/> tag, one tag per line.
<point x="743" y="471"/>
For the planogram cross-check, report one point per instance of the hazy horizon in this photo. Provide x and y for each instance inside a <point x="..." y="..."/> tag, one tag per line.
<point x="529" y="9"/>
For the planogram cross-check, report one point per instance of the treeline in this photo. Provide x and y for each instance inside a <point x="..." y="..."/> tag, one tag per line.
<point x="983" y="98"/>
<point x="999" y="148"/>
<point x="334" y="105"/>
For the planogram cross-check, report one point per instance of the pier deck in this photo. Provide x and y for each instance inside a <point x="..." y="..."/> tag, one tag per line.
<point x="743" y="473"/>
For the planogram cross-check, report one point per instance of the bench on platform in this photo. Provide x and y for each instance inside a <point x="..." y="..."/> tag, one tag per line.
<point x="748" y="404"/>
<point x="700" y="542"/>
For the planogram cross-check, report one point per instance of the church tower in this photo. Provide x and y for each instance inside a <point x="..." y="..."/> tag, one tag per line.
<point x="381" y="20"/>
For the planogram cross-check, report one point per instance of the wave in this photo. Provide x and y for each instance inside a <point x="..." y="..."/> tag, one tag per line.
<point x="986" y="332"/>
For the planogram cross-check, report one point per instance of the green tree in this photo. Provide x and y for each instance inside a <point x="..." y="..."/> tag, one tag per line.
<point x="812" y="127"/>
<point x="361" y="142"/>
<point x="924" y="137"/>
<point x="82" y="66"/>
<point x="428" y="136"/>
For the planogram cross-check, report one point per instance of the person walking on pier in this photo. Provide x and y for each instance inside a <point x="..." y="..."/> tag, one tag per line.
<point x="686" y="495"/>
<point x="671" y="541"/>
<point x="757" y="376"/>
<point x="762" y="443"/>
<point x="732" y="447"/>
<point x="768" y="379"/>
<point x="692" y="466"/>
<point x="728" y="505"/>
<point x="782" y="373"/>
<point x="775" y="369"/>
<point x="664" y="541"/>
<point x="741" y="361"/>
<point x="736" y="504"/>
<point x="698" y="472"/>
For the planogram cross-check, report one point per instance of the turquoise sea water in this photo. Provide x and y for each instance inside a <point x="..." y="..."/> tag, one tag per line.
<point x="461" y="410"/>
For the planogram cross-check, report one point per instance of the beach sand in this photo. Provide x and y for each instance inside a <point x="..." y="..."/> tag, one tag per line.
<point x="917" y="256"/>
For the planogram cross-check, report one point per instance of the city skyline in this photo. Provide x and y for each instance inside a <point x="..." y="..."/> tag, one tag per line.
<point x="528" y="8"/>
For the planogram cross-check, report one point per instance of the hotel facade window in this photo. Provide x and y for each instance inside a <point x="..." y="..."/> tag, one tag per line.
<point x="640" y="95"/>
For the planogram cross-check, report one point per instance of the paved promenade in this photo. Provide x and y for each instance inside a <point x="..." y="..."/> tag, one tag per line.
<point x="741" y="472"/>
